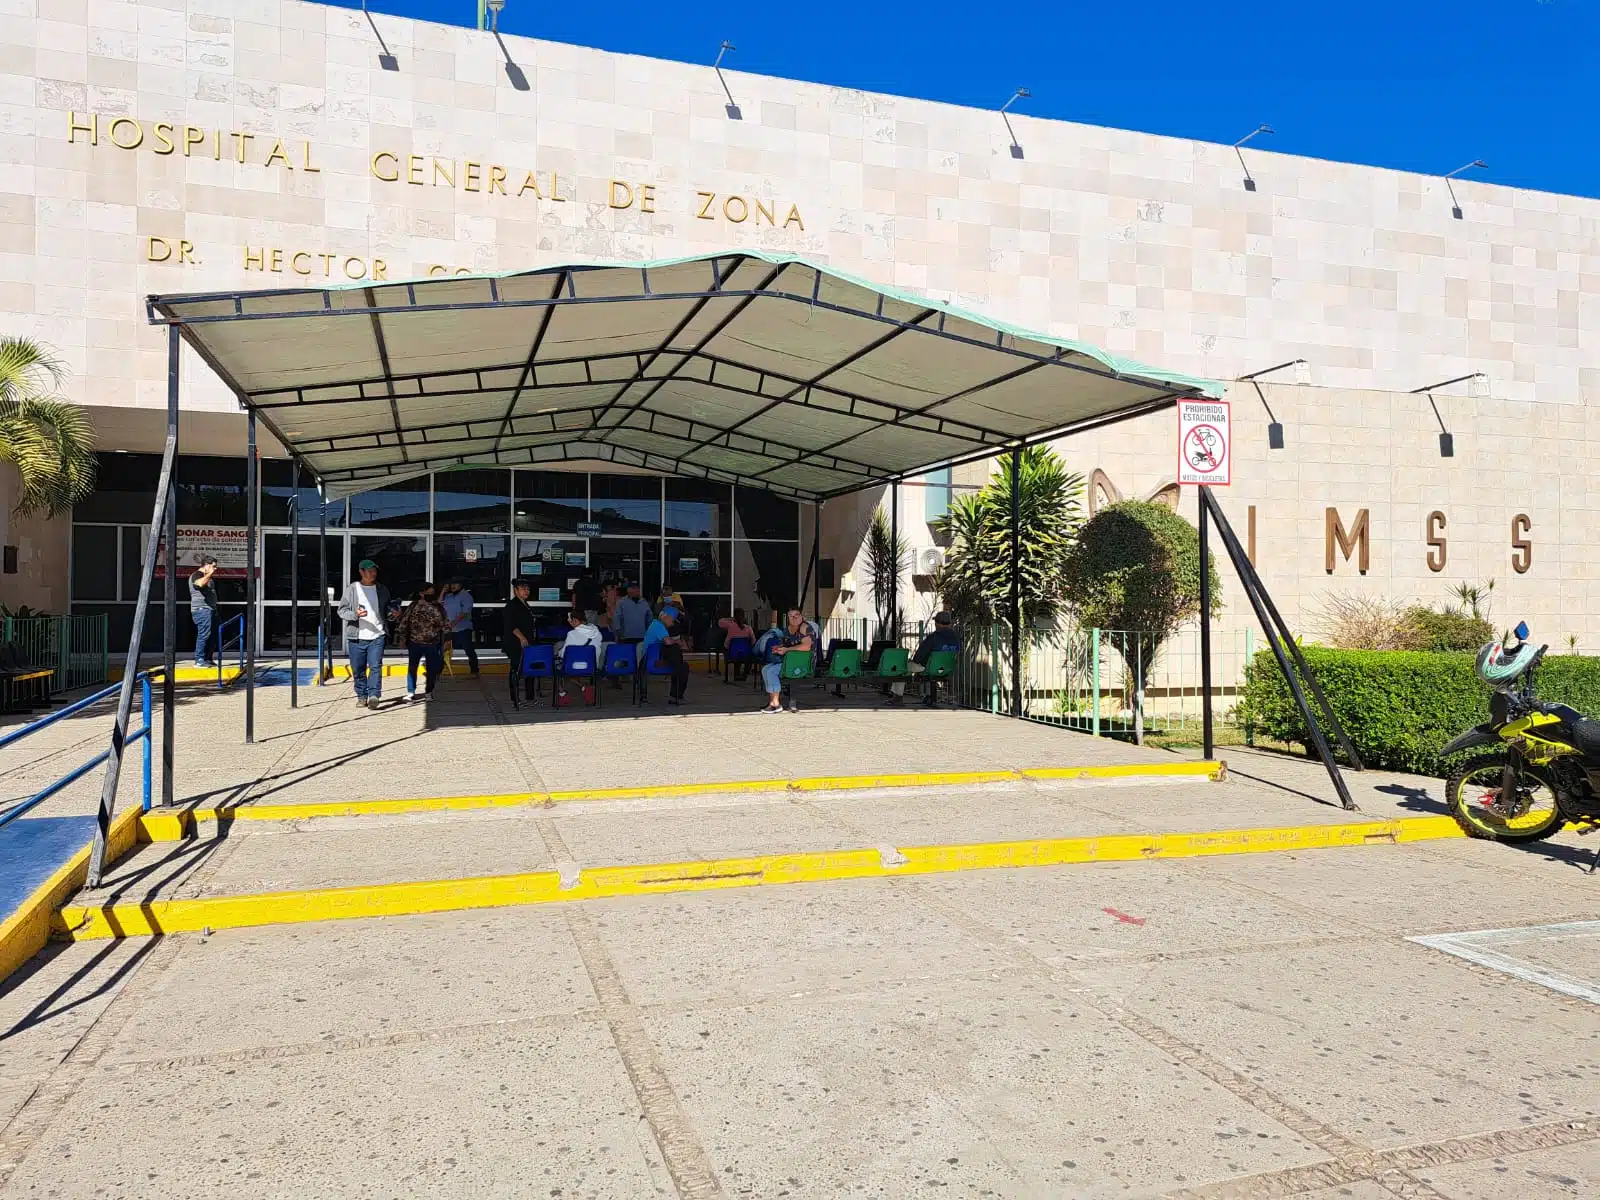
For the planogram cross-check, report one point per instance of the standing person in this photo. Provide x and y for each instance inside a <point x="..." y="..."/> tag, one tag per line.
<point x="521" y="630"/>
<point x="664" y="631"/>
<point x="611" y="597"/>
<point x="425" y="626"/>
<point x="457" y="604"/>
<point x="364" y="608"/>
<point x="203" y="609"/>
<point x="633" y="616"/>
<point x="796" y="636"/>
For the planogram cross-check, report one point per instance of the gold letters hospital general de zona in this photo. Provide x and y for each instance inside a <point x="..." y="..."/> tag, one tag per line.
<point x="389" y="166"/>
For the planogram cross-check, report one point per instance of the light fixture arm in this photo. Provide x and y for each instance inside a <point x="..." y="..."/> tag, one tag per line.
<point x="1249" y="182"/>
<point x="1021" y="93"/>
<point x="733" y="105"/>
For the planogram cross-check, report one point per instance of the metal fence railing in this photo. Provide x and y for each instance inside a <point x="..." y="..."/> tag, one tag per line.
<point x="1086" y="679"/>
<point x="75" y="648"/>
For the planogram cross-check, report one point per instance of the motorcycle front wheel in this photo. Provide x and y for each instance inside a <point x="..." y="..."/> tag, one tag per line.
<point x="1473" y="793"/>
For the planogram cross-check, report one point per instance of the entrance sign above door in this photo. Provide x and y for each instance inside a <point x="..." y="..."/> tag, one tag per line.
<point x="1204" y="448"/>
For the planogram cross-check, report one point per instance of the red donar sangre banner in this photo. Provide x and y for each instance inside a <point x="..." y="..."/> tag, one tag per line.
<point x="227" y="544"/>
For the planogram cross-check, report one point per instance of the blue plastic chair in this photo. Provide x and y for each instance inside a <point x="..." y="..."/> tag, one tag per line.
<point x="738" y="651"/>
<point x="652" y="666"/>
<point x="538" y="662"/>
<point x="579" y="663"/>
<point x="621" y="662"/>
<point x="607" y="636"/>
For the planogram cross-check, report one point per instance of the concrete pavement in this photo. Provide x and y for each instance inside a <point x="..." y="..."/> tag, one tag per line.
<point x="1257" y="1025"/>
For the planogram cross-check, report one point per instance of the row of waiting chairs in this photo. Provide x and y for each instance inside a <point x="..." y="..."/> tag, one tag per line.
<point x="581" y="662"/>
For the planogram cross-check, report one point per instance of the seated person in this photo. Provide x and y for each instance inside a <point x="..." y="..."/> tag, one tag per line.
<point x="737" y="627"/>
<point x="943" y="637"/>
<point x="664" y="630"/>
<point x="582" y="632"/>
<point x="797" y="636"/>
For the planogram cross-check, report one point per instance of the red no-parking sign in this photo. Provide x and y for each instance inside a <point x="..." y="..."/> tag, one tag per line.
<point x="1204" y="454"/>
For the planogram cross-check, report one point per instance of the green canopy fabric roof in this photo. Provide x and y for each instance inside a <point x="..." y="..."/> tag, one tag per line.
<point x="764" y="370"/>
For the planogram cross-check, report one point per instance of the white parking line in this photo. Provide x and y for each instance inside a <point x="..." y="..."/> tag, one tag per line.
<point x="1486" y="948"/>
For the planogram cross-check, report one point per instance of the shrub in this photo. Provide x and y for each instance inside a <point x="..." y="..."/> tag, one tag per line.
<point x="1450" y="629"/>
<point x="1350" y="621"/>
<point x="1400" y="707"/>
<point x="1136" y="567"/>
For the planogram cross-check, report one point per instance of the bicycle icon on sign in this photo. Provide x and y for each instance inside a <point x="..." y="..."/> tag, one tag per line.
<point x="1203" y="449"/>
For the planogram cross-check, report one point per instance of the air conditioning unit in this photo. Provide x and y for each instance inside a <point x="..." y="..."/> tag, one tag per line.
<point x="847" y="582"/>
<point x="929" y="561"/>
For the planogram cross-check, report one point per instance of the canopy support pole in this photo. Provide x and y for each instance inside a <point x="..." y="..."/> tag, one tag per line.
<point x="1278" y="637"/>
<point x="323" y="640"/>
<point x="251" y="594"/>
<point x="894" y="548"/>
<point x="169" y="595"/>
<point x="294" y="585"/>
<point x="1206" y="744"/>
<point x="130" y="666"/>
<point x="816" y="565"/>
<point x="1016" y="584"/>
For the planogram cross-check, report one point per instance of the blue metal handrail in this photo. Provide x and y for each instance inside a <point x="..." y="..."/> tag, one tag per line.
<point x="222" y="644"/>
<point x="143" y="735"/>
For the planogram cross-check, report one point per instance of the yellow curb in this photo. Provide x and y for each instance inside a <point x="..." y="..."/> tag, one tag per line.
<point x="175" y="826"/>
<point x="80" y="923"/>
<point x="190" y="675"/>
<point x="25" y="932"/>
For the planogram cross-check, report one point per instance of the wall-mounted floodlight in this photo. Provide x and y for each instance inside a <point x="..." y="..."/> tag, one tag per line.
<point x="733" y="109"/>
<point x="489" y="14"/>
<point x="386" y="60"/>
<point x="1019" y="94"/>
<point x="1302" y="374"/>
<point x="1477" y="386"/>
<point x="1455" y="205"/>
<point x="1249" y="182"/>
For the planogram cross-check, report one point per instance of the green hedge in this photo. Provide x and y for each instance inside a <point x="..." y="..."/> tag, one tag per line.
<point x="1400" y="707"/>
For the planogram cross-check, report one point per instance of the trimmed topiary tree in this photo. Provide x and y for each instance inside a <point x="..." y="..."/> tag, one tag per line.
<point x="1135" y="568"/>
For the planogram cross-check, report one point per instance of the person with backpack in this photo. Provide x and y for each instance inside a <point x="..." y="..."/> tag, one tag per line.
<point x="425" y="625"/>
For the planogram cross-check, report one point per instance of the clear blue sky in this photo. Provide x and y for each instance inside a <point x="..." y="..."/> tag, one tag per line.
<point x="1420" y="85"/>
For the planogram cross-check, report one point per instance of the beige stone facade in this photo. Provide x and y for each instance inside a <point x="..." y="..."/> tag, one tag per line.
<point x="184" y="145"/>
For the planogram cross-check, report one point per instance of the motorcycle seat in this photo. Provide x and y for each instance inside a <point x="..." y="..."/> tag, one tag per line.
<point x="1586" y="737"/>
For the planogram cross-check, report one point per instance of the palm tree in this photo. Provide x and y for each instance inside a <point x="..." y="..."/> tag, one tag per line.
<point x="47" y="438"/>
<point x="886" y="563"/>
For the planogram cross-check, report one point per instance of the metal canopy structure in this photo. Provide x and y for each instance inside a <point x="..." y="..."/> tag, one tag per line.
<point x="763" y="370"/>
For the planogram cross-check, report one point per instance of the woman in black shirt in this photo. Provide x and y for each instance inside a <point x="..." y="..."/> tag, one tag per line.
<point x="520" y="633"/>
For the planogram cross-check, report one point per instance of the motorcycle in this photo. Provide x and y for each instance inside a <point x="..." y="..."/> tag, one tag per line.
<point x="1545" y="771"/>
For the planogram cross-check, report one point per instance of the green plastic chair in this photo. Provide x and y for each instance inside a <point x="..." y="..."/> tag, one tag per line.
<point x="941" y="665"/>
<point x="845" y="664"/>
<point x="893" y="663"/>
<point x="796" y="665"/>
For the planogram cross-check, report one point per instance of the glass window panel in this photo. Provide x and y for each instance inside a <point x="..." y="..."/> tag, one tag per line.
<point x="551" y="501"/>
<point x="94" y="563"/>
<point x="124" y="488"/>
<point x="936" y="495"/>
<point x="278" y="575"/>
<point x="701" y="614"/>
<point x="759" y="514"/>
<point x="769" y="578"/>
<point x="482" y="563"/>
<point x="278" y="498"/>
<point x="401" y="505"/>
<point x="546" y="564"/>
<point x="477" y="500"/>
<point x="488" y="627"/>
<point x="620" y="559"/>
<point x="211" y="491"/>
<point x="698" y="508"/>
<point x="275" y="629"/>
<point x="133" y="547"/>
<point x="624" y="504"/>
<point x="697" y="565"/>
<point x="402" y="561"/>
